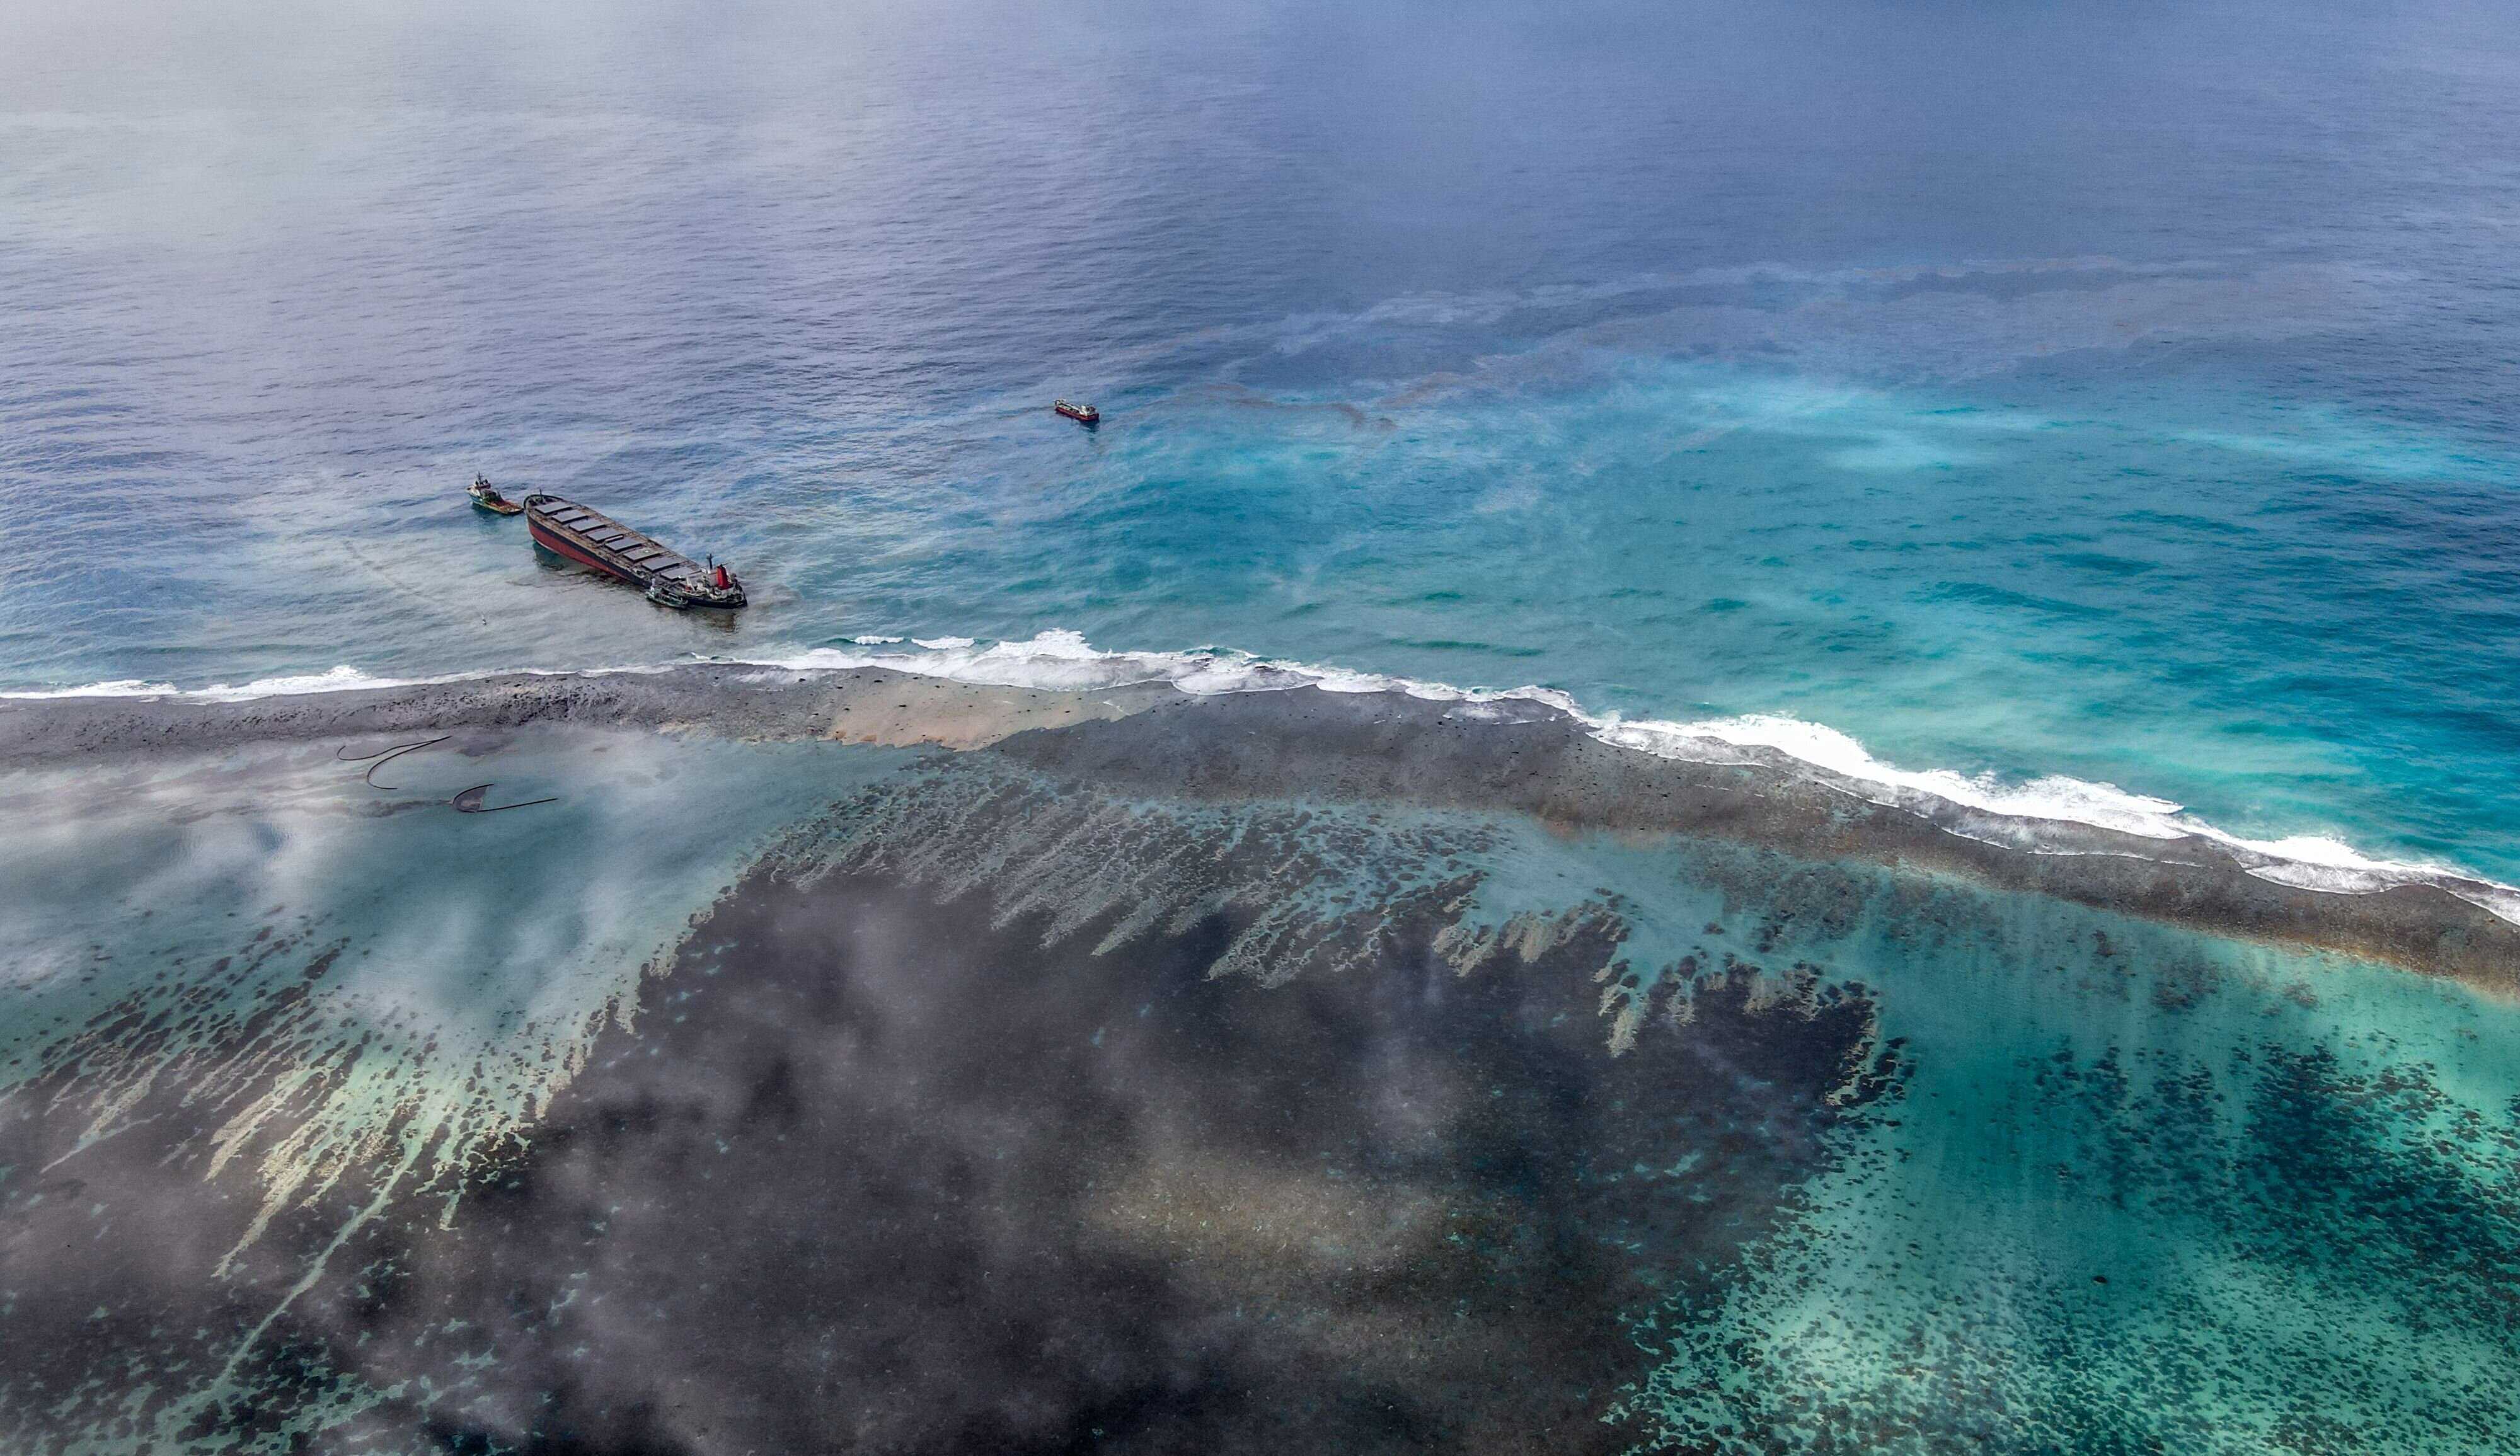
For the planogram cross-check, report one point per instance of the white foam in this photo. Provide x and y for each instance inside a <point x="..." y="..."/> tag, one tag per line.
<point x="332" y="680"/>
<point x="120" y="688"/>
<point x="1061" y="660"/>
<point x="2303" y="861"/>
<point x="1820" y="746"/>
<point x="336" y="680"/>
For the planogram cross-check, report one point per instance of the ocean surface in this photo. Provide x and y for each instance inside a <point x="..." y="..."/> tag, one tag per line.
<point x="2106" y="413"/>
<point x="2124" y="397"/>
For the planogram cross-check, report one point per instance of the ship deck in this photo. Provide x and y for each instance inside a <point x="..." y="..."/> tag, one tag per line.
<point x="633" y="548"/>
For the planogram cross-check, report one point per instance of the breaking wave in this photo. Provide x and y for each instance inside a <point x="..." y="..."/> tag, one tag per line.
<point x="1061" y="660"/>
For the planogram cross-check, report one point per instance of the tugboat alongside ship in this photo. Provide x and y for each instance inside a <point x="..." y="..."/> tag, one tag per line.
<point x="594" y="539"/>
<point x="486" y="497"/>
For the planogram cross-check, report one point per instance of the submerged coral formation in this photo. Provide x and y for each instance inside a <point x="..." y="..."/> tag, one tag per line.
<point x="1250" y="1095"/>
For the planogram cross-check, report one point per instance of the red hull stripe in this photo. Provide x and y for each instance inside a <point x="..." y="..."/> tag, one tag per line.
<point x="555" y="546"/>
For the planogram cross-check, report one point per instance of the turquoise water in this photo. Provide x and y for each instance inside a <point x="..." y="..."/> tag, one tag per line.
<point x="2142" y="1191"/>
<point x="2142" y="416"/>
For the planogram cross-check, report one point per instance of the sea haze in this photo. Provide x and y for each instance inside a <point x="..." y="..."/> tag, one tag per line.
<point x="1094" y="957"/>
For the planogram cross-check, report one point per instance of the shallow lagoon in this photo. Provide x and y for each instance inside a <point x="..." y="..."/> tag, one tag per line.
<point x="961" y="1104"/>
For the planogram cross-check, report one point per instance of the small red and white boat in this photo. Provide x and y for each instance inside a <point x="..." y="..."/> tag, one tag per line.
<point x="593" y="539"/>
<point x="1081" y="413"/>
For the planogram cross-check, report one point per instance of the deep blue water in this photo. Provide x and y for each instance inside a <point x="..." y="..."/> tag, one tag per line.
<point x="2125" y="396"/>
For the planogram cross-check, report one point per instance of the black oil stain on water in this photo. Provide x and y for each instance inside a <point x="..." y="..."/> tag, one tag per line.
<point x="871" y="1174"/>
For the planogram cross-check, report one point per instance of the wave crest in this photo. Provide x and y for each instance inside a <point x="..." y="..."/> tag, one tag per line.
<point x="2026" y="816"/>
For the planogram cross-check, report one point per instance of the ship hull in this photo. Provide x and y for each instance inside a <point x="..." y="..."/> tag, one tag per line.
<point x="587" y="538"/>
<point x="559" y="546"/>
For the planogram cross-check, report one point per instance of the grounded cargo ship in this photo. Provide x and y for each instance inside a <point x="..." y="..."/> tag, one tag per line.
<point x="590" y="538"/>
